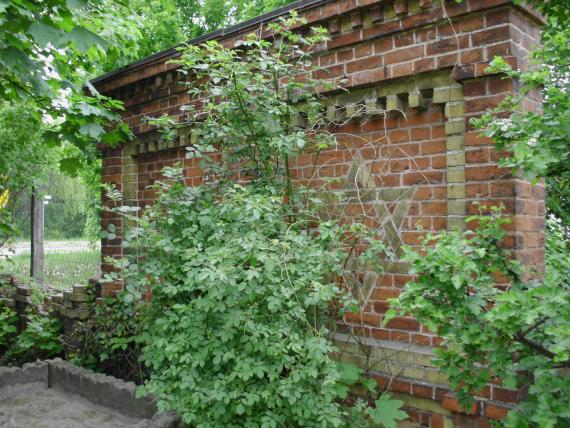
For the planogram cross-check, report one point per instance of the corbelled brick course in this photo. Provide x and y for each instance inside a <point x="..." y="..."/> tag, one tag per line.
<point x="406" y="154"/>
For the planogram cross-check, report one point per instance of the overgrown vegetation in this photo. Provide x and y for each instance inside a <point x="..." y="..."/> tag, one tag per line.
<point x="110" y="341"/>
<point x="243" y="269"/>
<point x="252" y="292"/>
<point x="469" y="290"/>
<point x="40" y="338"/>
<point x="515" y="332"/>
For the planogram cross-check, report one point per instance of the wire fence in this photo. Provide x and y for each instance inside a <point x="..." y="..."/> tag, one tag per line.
<point x="71" y="244"/>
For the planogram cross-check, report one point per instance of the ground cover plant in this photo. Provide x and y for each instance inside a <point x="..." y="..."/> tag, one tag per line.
<point x="244" y="270"/>
<point x="110" y="341"/>
<point x="40" y="338"/>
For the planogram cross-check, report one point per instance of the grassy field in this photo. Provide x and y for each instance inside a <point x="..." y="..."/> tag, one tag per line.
<point x="61" y="269"/>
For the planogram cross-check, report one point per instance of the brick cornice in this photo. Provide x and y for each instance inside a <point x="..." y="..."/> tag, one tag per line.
<point x="327" y="13"/>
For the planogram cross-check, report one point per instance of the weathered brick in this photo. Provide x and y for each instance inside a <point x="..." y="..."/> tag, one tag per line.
<point x="364" y="64"/>
<point x="492" y="35"/>
<point x="455" y="126"/>
<point x="447" y="94"/>
<point x="495" y="412"/>
<point x="392" y="54"/>
<point x="402" y="55"/>
<point x="451" y="403"/>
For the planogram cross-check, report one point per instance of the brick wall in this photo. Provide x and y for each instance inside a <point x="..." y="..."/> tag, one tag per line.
<point x="425" y="63"/>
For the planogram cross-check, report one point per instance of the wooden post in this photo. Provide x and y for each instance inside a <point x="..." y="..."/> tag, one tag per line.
<point x="37" y="244"/>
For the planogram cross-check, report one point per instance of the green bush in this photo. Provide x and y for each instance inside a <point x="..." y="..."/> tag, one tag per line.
<point x="39" y="340"/>
<point x="516" y="333"/>
<point x="8" y="326"/>
<point x="110" y="340"/>
<point x="239" y="331"/>
<point x="245" y="278"/>
<point x="239" y="322"/>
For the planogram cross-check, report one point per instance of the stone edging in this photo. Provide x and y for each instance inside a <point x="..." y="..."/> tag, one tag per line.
<point x="98" y="388"/>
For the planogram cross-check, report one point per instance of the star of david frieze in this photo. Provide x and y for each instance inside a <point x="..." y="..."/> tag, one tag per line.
<point x="390" y="207"/>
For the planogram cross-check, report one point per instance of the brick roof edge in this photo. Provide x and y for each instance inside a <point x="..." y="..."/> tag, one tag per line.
<point x="223" y="32"/>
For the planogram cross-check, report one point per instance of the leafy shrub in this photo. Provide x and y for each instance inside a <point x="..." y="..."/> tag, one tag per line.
<point x="110" y="340"/>
<point x="239" y="334"/>
<point x="516" y="332"/>
<point x="558" y="251"/>
<point x="8" y="329"/>
<point x="39" y="340"/>
<point x="245" y="277"/>
<point x="238" y="328"/>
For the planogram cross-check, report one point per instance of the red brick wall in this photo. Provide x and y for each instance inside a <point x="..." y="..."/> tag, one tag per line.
<point x="425" y="153"/>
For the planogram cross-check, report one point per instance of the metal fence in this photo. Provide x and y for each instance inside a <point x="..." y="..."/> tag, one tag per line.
<point x="70" y="242"/>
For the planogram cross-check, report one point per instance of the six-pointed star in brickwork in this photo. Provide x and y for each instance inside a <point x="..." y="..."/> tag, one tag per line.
<point x="361" y="188"/>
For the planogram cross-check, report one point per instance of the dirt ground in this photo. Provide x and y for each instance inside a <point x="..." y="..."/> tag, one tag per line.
<point x="33" y="405"/>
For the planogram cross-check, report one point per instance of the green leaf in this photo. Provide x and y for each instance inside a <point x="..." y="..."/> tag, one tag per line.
<point x="113" y="137"/>
<point x="69" y="166"/>
<point x="45" y="33"/>
<point x="15" y="58"/>
<point x="349" y="373"/>
<point x="93" y="130"/>
<point x="83" y="39"/>
<point x="387" y="411"/>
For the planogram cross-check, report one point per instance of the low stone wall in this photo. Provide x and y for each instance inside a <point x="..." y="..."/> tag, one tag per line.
<point x="16" y="296"/>
<point x="69" y="306"/>
<point x="99" y="389"/>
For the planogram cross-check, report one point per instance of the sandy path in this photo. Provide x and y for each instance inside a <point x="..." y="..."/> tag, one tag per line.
<point x="34" y="405"/>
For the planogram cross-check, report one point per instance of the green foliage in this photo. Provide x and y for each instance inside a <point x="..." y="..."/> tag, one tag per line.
<point x="47" y="49"/>
<point x="22" y="152"/>
<point x="387" y="411"/>
<point x="538" y="140"/>
<point x="494" y="332"/>
<point x="39" y="340"/>
<point x="244" y="277"/>
<point x="110" y="340"/>
<point x="71" y="206"/>
<point x="558" y="250"/>
<point x="351" y="376"/>
<point x="267" y="89"/>
<point x="166" y="23"/>
<point x="8" y="326"/>
<point x="248" y="289"/>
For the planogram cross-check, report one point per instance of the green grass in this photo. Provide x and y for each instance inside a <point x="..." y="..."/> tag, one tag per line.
<point x="61" y="270"/>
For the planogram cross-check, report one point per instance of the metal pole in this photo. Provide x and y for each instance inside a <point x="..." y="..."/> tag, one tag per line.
<point x="37" y="244"/>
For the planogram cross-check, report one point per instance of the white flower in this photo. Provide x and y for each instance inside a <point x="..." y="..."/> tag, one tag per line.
<point x="62" y="101"/>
